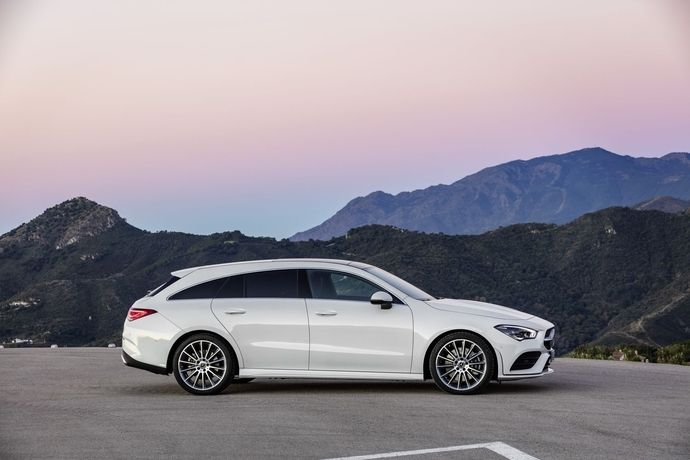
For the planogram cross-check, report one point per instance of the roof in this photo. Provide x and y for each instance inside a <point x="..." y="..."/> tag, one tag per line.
<point x="186" y="271"/>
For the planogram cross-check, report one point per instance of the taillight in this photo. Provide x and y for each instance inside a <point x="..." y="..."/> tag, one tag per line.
<point x="136" y="313"/>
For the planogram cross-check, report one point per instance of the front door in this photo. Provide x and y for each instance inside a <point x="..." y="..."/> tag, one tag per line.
<point x="348" y="333"/>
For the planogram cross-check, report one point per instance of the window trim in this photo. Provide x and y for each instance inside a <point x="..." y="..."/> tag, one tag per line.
<point x="302" y="278"/>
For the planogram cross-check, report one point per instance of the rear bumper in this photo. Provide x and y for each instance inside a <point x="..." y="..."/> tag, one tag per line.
<point x="131" y="362"/>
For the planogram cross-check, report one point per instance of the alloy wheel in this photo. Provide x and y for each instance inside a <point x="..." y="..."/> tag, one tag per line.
<point x="202" y="365"/>
<point x="461" y="364"/>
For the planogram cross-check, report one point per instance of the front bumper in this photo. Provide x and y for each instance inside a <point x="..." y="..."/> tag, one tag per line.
<point x="529" y="358"/>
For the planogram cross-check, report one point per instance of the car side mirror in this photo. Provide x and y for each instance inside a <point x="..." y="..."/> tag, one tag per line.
<point x="382" y="298"/>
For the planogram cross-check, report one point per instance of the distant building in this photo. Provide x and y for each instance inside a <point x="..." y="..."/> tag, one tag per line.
<point x="618" y="355"/>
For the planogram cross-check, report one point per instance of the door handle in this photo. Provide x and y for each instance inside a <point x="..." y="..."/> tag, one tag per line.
<point x="236" y="311"/>
<point x="327" y="313"/>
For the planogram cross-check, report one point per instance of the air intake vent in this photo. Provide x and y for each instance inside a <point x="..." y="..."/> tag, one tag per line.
<point x="548" y="338"/>
<point x="526" y="361"/>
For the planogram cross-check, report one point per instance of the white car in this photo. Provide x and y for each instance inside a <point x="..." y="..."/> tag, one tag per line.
<point x="325" y="319"/>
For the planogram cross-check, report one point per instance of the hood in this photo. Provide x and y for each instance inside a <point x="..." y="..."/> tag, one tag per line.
<point x="478" y="308"/>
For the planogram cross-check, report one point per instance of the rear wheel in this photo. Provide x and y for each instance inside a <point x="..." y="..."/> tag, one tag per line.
<point x="462" y="363"/>
<point x="203" y="365"/>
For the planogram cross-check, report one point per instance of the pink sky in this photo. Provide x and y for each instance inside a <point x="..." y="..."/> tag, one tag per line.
<point x="268" y="116"/>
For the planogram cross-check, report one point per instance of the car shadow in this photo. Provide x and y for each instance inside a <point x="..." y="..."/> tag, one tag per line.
<point x="363" y="386"/>
<point x="299" y="386"/>
<point x="335" y="386"/>
<point x="517" y="387"/>
<point x="287" y="386"/>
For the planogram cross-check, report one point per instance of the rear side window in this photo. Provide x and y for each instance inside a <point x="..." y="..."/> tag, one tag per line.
<point x="232" y="289"/>
<point x="162" y="286"/>
<point x="276" y="283"/>
<point x="205" y="290"/>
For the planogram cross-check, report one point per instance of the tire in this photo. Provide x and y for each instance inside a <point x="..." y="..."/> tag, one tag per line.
<point x="462" y="363"/>
<point x="241" y="381"/>
<point x="204" y="365"/>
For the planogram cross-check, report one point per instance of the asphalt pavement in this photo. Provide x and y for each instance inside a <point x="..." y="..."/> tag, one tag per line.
<point x="75" y="403"/>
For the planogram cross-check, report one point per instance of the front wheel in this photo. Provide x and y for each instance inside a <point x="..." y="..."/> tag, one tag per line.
<point x="462" y="363"/>
<point x="203" y="365"/>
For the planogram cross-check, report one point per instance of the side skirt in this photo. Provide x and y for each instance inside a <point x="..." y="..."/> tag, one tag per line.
<point x="306" y="374"/>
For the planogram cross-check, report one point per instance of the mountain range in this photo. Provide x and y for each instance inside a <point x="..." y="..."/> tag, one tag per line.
<point x="618" y="275"/>
<point x="550" y="189"/>
<point x="663" y="203"/>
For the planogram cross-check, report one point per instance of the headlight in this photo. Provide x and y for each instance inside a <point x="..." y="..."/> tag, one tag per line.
<point x="517" y="332"/>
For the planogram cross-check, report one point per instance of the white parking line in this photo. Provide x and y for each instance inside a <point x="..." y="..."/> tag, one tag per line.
<point x="501" y="448"/>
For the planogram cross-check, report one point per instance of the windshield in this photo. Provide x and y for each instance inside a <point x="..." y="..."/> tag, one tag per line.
<point x="400" y="284"/>
<point x="162" y="286"/>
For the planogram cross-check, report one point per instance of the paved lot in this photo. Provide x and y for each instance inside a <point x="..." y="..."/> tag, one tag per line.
<point x="83" y="403"/>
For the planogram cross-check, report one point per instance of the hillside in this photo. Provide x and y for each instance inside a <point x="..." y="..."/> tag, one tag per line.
<point x="664" y="204"/>
<point x="552" y="189"/>
<point x="69" y="276"/>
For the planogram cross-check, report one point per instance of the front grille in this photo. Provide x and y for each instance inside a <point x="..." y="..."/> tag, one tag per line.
<point x="526" y="361"/>
<point x="549" y="337"/>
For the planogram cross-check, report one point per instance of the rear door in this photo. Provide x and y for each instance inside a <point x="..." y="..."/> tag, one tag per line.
<point x="348" y="333"/>
<point x="266" y="314"/>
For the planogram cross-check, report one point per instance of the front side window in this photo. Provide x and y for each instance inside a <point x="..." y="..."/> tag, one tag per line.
<point x="400" y="284"/>
<point x="275" y="283"/>
<point x="339" y="286"/>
